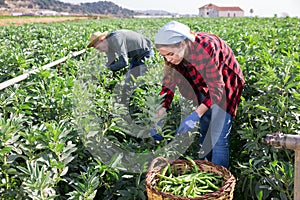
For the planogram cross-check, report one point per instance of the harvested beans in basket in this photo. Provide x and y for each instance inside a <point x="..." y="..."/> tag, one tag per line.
<point x="189" y="179"/>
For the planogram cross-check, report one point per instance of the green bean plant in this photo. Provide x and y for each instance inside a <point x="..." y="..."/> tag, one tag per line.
<point x="49" y="121"/>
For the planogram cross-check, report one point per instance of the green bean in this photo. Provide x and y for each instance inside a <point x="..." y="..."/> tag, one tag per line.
<point x="189" y="183"/>
<point x="185" y="178"/>
<point x="185" y="168"/>
<point x="166" y="177"/>
<point x="164" y="171"/>
<point x="175" y="171"/>
<point x="169" y="169"/>
<point x="193" y="163"/>
<point x="165" y="189"/>
<point x="200" y="192"/>
<point x="165" y="182"/>
<point x="191" y="187"/>
<point x="177" y="190"/>
<point x="201" y="181"/>
<point x="211" y="184"/>
<point x="185" y="191"/>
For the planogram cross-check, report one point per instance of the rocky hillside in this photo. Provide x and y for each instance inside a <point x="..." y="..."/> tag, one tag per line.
<point x="100" y="7"/>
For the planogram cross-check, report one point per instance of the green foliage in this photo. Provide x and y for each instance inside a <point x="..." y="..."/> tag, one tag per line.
<point x="131" y="186"/>
<point x="48" y="120"/>
<point x="270" y="104"/>
<point x="38" y="181"/>
<point x="86" y="186"/>
<point x="11" y="130"/>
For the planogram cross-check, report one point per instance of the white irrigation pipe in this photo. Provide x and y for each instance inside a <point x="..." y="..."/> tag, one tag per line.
<point x="22" y="77"/>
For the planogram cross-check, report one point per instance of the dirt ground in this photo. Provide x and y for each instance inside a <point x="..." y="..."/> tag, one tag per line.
<point x="23" y="20"/>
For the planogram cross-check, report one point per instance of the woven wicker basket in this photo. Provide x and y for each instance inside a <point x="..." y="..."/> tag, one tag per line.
<point x="223" y="193"/>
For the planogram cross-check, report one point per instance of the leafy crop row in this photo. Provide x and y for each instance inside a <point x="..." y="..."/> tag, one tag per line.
<point x="46" y="120"/>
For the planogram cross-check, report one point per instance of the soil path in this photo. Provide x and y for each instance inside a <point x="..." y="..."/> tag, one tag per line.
<point x="24" y="20"/>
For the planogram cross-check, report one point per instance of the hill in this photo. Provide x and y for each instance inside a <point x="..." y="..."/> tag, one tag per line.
<point x="100" y="7"/>
<point x="155" y="12"/>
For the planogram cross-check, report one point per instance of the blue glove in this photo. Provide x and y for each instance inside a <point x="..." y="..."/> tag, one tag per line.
<point x="188" y="123"/>
<point x="154" y="133"/>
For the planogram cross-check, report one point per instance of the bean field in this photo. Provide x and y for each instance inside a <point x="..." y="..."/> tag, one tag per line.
<point x="63" y="134"/>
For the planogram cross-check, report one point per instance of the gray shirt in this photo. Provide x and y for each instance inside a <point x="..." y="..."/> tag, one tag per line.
<point x="124" y="45"/>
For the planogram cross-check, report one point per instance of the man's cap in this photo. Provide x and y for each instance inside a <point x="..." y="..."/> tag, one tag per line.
<point x="95" y="37"/>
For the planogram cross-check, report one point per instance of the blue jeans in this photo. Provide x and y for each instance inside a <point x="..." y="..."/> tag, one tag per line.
<point x="138" y="62"/>
<point x="136" y="68"/>
<point x="215" y="127"/>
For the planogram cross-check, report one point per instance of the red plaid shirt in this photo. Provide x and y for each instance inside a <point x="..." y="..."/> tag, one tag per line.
<point x="210" y="69"/>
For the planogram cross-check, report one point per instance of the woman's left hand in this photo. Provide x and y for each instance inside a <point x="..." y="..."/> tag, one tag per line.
<point x="188" y="123"/>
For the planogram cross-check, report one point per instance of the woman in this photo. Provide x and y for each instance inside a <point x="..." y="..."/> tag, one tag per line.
<point x="203" y="67"/>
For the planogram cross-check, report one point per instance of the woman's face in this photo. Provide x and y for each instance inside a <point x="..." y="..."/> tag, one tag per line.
<point x="173" y="54"/>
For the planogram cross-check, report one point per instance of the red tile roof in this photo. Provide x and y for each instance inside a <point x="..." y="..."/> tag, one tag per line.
<point x="210" y="6"/>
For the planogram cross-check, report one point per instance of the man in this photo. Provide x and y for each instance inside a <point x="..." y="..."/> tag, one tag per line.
<point x="123" y="48"/>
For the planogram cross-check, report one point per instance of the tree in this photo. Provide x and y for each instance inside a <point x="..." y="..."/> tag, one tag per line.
<point x="251" y="11"/>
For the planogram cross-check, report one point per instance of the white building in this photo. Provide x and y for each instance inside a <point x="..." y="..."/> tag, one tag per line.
<point x="20" y="12"/>
<point x="46" y="13"/>
<point x="211" y="10"/>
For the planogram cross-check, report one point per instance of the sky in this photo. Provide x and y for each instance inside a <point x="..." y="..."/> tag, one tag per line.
<point x="261" y="8"/>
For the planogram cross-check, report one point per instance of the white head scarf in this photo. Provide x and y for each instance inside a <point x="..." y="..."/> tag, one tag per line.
<point x="172" y="33"/>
